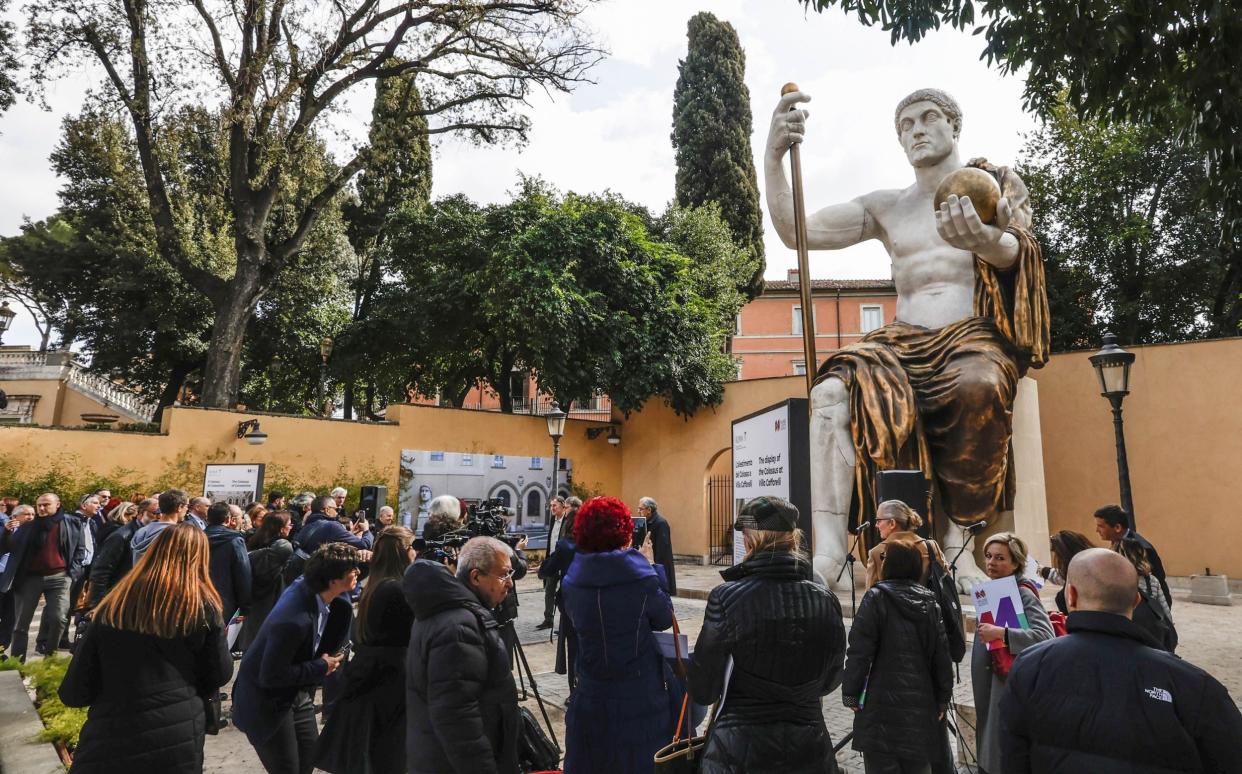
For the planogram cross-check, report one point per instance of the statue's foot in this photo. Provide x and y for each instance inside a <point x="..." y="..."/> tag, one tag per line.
<point x="968" y="574"/>
<point x="829" y="569"/>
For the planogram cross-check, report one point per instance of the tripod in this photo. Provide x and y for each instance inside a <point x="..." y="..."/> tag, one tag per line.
<point x="521" y="665"/>
<point x="849" y="564"/>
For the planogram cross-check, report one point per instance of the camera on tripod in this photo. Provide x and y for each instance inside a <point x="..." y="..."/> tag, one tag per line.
<point x="490" y="518"/>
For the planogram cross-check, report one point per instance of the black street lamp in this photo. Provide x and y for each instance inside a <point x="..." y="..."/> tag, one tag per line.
<point x="1112" y="366"/>
<point x="6" y="318"/>
<point x="556" y="429"/>
<point x="325" y="352"/>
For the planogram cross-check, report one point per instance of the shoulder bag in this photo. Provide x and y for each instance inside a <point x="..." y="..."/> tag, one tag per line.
<point x="682" y="756"/>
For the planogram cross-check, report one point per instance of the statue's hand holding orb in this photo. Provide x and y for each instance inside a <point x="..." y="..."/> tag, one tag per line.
<point x="971" y="214"/>
<point x="788" y="123"/>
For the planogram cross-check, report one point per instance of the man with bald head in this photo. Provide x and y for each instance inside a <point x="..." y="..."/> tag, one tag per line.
<point x="1105" y="699"/>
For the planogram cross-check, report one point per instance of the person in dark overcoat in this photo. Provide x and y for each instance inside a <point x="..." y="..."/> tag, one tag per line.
<point x="155" y="648"/>
<point x="661" y="540"/>
<point x="615" y="598"/>
<point x="298" y="646"/>
<point x="898" y="674"/>
<point x="270" y="551"/>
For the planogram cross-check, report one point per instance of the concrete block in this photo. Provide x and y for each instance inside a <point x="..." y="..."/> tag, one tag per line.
<point x="1210" y="590"/>
<point x="20" y="751"/>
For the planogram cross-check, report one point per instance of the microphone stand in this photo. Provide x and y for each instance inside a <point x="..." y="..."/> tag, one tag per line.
<point x="957" y="668"/>
<point x="849" y="563"/>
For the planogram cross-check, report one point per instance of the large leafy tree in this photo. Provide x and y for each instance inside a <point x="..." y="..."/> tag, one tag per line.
<point x="97" y="270"/>
<point x="711" y="137"/>
<point x="1175" y="67"/>
<point x="582" y="291"/>
<point x="1129" y="244"/>
<point x="275" y="71"/>
<point x="8" y="59"/>
<point x="397" y="174"/>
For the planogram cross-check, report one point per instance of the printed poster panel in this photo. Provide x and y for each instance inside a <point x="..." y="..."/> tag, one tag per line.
<point x="760" y="462"/>
<point x="998" y="602"/>
<point x="520" y="482"/>
<point x="234" y="484"/>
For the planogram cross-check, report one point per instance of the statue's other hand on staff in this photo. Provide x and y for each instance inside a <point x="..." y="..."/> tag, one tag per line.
<point x="960" y="226"/>
<point x="788" y="126"/>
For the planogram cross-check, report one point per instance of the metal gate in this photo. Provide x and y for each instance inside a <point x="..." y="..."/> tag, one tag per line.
<point x="720" y="518"/>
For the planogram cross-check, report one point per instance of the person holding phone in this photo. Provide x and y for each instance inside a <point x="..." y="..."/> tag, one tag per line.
<point x="299" y="645"/>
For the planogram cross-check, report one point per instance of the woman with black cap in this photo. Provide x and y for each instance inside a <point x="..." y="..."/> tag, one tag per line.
<point x="786" y="639"/>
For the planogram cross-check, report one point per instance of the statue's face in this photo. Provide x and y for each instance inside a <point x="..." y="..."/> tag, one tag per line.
<point x="926" y="134"/>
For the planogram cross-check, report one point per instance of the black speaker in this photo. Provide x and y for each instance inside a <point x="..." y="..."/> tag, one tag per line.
<point x="371" y="499"/>
<point x="909" y="486"/>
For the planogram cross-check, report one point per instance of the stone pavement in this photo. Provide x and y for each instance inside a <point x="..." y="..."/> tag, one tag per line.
<point x="1208" y="639"/>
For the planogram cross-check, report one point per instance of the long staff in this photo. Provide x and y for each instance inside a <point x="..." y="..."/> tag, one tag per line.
<point x="804" y="261"/>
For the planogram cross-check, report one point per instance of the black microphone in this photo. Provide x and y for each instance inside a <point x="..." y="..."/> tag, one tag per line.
<point x="976" y="528"/>
<point x="861" y="527"/>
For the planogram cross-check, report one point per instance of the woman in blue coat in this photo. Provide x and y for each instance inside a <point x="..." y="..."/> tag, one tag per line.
<point x="618" y="717"/>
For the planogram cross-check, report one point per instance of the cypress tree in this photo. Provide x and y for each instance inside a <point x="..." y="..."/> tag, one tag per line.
<point x="711" y="137"/>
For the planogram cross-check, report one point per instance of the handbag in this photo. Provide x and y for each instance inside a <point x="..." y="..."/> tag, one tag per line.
<point x="213" y="710"/>
<point x="682" y="756"/>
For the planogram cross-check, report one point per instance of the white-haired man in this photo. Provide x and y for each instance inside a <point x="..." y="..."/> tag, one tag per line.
<point x="461" y="700"/>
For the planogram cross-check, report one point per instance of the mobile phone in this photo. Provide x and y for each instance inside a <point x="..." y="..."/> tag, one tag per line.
<point x="359" y="515"/>
<point x="640" y="531"/>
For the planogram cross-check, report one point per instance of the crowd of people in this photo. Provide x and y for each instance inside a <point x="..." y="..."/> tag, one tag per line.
<point x="404" y="645"/>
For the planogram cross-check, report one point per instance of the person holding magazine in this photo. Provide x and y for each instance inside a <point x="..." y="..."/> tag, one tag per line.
<point x="1004" y="555"/>
<point x="898" y="674"/>
<point x="786" y="638"/>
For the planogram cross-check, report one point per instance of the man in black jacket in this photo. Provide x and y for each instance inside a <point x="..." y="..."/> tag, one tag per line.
<point x="230" y="564"/>
<point x="299" y="645"/>
<point x="461" y="701"/>
<point x="661" y="540"/>
<point x="45" y="558"/>
<point x="1104" y="699"/>
<point x="1112" y="523"/>
<point x="114" y="557"/>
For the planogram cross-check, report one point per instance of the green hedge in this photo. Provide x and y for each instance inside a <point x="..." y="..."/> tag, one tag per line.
<point x="62" y="724"/>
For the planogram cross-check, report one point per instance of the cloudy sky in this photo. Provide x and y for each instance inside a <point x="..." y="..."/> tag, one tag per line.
<point x="614" y="134"/>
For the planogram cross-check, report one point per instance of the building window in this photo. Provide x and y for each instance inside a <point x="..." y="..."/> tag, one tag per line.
<point x="739" y="370"/>
<point x="799" y="368"/>
<point x="737" y="328"/>
<point x="872" y="317"/>
<point x="796" y="325"/>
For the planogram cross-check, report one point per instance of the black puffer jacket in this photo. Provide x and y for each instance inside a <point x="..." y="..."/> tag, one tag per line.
<point x="144" y="694"/>
<point x="787" y="640"/>
<point x="461" y="700"/>
<point x="1101" y="700"/>
<point x="899" y="655"/>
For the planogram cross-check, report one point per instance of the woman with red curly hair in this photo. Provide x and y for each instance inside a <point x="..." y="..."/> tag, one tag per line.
<point x="614" y="598"/>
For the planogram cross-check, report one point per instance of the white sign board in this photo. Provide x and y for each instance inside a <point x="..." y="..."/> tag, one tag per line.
<point x="760" y="461"/>
<point x="234" y="484"/>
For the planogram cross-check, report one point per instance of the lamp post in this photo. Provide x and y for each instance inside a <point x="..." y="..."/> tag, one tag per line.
<point x="556" y="429"/>
<point x="1112" y="366"/>
<point x="325" y="352"/>
<point x="6" y="318"/>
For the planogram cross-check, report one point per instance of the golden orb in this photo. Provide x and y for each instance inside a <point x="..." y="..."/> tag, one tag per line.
<point x="789" y="87"/>
<point x="971" y="182"/>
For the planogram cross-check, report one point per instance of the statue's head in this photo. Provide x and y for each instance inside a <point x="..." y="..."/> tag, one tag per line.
<point x="928" y="122"/>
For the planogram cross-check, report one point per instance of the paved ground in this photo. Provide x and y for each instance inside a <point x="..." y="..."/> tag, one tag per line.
<point x="1208" y="639"/>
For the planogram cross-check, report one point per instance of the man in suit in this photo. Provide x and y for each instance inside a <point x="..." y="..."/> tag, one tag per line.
<point x="229" y="565"/>
<point x="1112" y="523"/>
<point x="45" y="558"/>
<point x="558" y="509"/>
<point x="299" y="645"/>
<point x="197" y="514"/>
<point x="661" y="540"/>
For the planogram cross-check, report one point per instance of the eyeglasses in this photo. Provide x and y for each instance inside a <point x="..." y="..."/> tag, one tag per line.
<point x="502" y="578"/>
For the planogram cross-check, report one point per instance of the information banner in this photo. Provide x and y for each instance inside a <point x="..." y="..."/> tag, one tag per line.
<point x="770" y="457"/>
<point x="234" y="484"/>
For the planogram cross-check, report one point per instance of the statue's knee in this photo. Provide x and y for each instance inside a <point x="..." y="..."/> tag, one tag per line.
<point x="985" y="385"/>
<point x="828" y="393"/>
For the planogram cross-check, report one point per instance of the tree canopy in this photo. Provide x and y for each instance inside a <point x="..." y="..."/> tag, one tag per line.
<point x="587" y="292"/>
<point x="274" y="73"/>
<point x="711" y="137"/>
<point x="1130" y="246"/>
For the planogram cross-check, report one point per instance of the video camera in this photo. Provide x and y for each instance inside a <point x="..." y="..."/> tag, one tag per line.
<point x="487" y="518"/>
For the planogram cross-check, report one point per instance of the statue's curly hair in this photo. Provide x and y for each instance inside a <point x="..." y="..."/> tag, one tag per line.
<point x="940" y="99"/>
